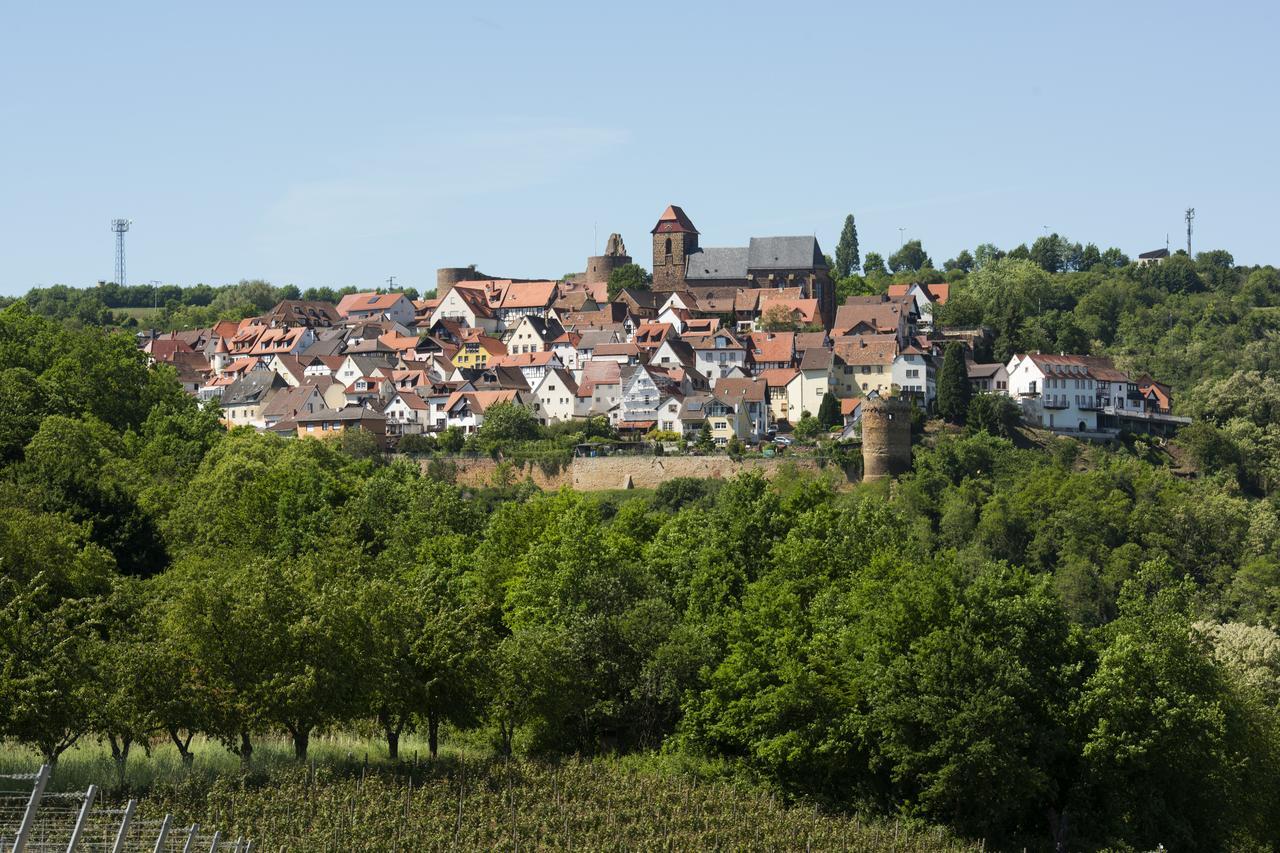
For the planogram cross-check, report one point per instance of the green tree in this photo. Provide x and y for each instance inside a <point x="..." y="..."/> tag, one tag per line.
<point x="1154" y="716"/>
<point x="452" y="440"/>
<point x="46" y="666"/>
<point x="807" y="427"/>
<point x="829" y="412"/>
<point x="953" y="385"/>
<point x="995" y="414"/>
<point x="847" y="258"/>
<point x="1048" y="252"/>
<point x="705" y="443"/>
<point x="911" y="257"/>
<point x="874" y="263"/>
<point x="631" y="277"/>
<point x="962" y="262"/>
<point x="507" y="422"/>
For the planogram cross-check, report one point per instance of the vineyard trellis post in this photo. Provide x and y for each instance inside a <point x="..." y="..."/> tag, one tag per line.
<point x="33" y="805"/>
<point x="164" y="833"/>
<point x="124" y="826"/>
<point x="191" y="838"/>
<point x="89" y="796"/>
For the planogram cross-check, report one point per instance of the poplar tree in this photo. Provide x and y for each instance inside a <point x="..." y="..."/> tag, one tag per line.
<point x="953" y="385"/>
<point x="847" y="257"/>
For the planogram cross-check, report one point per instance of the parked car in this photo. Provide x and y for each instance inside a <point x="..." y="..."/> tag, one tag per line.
<point x="784" y="440"/>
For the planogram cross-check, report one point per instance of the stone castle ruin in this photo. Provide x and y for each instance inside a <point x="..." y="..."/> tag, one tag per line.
<point x="886" y="437"/>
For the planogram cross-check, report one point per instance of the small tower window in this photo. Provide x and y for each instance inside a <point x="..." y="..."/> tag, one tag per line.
<point x="667" y="249"/>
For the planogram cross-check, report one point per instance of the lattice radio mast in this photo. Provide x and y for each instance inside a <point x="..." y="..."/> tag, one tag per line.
<point x="1191" y="215"/>
<point x="120" y="226"/>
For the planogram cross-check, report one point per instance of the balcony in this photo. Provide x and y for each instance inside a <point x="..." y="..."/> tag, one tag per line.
<point x="1054" y="402"/>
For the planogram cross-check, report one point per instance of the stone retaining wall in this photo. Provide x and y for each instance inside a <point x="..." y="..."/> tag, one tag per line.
<point x="593" y="474"/>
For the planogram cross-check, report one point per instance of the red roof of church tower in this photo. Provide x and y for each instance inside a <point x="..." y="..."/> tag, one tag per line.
<point x="674" y="221"/>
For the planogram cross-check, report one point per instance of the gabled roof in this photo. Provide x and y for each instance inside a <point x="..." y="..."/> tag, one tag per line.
<point x="672" y="221"/>
<point x="301" y="312"/>
<point x="652" y="334"/>
<point x="412" y="400"/>
<point x="737" y="391"/>
<point x="1158" y="253"/>
<point x="348" y="414"/>
<point x="251" y="389"/>
<point x="491" y="345"/>
<point x="753" y="298"/>
<point x="938" y="292"/>
<point x="777" y="377"/>
<point x="784" y="253"/>
<point x="480" y="401"/>
<point x="367" y="364"/>
<point x="803" y="310"/>
<point x="545" y="329"/>
<point x="368" y="302"/>
<point x="287" y="402"/>
<point x="563" y="376"/>
<point x="593" y="338"/>
<point x="866" y="349"/>
<point x="599" y="373"/>
<point x="974" y="370"/>
<point x="616" y="349"/>
<point x="810" y="340"/>
<point x="771" y="346"/>
<point x="715" y="262"/>
<point x="681" y="350"/>
<point x="879" y="318"/>
<point x="707" y="340"/>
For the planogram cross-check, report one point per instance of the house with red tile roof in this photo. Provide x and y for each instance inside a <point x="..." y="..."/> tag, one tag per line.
<point x="395" y="307"/>
<point x="767" y="350"/>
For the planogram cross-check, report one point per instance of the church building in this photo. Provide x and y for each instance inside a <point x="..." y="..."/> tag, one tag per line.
<point x="715" y="275"/>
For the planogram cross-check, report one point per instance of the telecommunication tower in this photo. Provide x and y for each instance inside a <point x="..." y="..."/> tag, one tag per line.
<point x="120" y="226"/>
<point x="1191" y="215"/>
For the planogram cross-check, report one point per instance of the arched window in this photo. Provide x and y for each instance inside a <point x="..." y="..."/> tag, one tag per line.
<point x="667" y="250"/>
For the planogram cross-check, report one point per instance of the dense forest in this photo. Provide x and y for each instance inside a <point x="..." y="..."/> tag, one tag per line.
<point x="1025" y="645"/>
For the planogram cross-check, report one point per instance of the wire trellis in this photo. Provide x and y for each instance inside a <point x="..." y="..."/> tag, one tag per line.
<point x="40" y="821"/>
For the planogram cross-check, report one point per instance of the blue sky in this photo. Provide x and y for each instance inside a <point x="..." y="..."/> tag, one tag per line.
<point x="334" y="144"/>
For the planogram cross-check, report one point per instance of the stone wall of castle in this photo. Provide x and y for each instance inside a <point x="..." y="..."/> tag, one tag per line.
<point x="622" y="472"/>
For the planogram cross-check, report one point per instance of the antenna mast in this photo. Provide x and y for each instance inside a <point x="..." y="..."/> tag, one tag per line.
<point x="1191" y="215"/>
<point x="120" y="226"/>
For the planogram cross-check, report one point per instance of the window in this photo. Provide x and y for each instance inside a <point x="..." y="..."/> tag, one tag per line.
<point x="864" y="386"/>
<point x="667" y="248"/>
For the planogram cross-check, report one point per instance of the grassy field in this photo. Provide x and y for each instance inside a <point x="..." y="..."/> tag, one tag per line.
<point x="468" y="801"/>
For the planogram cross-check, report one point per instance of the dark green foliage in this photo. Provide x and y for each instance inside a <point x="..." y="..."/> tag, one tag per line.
<point x="910" y="258"/>
<point x="829" y="412"/>
<point x="847" y="258"/>
<point x="874" y="263"/>
<point x="1028" y="646"/>
<point x="508" y="422"/>
<point x="993" y="413"/>
<point x="962" y="262"/>
<point x="953" y="385"/>
<point x="631" y="277"/>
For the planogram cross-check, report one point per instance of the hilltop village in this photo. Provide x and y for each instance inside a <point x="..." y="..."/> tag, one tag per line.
<point x="734" y="344"/>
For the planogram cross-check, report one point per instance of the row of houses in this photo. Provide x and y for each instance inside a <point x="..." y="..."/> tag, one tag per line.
<point x="743" y="341"/>
<point x="1080" y="394"/>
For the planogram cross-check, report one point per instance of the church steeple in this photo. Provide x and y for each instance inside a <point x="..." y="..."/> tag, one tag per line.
<point x="674" y="238"/>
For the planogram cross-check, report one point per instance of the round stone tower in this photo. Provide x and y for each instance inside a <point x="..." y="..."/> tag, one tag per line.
<point x="886" y="437"/>
<point x="447" y="277"/>
<point x="615" y="255"/>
